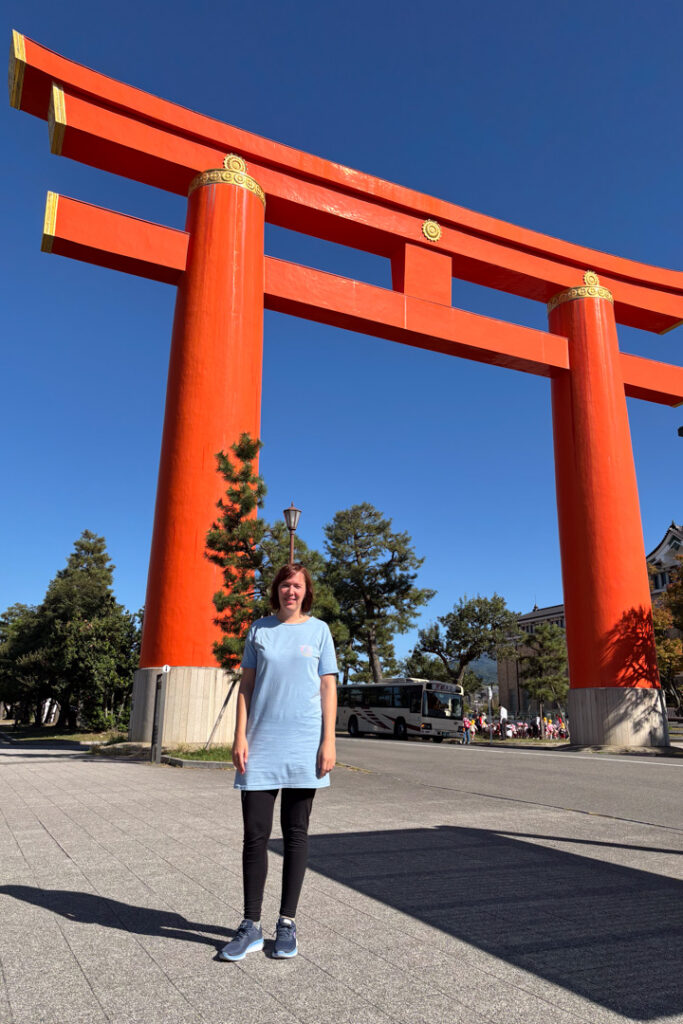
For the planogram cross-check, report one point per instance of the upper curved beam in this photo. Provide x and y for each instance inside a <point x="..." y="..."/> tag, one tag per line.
<point x="323" y="198"/>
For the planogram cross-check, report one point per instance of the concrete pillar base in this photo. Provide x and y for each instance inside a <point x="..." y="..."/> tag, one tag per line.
<point x="194" y="698"/>
<point x="617" y="716"/>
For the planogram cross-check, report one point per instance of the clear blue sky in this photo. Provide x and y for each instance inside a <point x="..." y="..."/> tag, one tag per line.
<point x="560" y="118"/>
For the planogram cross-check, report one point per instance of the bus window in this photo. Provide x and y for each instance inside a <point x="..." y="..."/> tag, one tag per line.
<point x="414" y="696"/>
<point x="384" y="696"/>
<point x="355" y="697"/>
<point x="436" y="704"/>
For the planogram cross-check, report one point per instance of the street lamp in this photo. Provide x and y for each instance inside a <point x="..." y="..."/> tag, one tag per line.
<point x="292" y="516"/>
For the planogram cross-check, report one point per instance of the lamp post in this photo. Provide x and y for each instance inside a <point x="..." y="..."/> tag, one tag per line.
<point x="292" y="516"/>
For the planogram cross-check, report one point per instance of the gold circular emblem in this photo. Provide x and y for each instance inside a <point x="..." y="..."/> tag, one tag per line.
<point x="431" y="229"/>
<point x="591" y="278"/>
<point x="233" y="162"/>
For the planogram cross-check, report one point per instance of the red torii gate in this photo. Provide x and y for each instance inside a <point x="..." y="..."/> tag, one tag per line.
<point x="224" y="282"/>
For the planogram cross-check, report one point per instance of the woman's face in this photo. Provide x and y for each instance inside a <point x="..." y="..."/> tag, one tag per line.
<point x="292" y="592"/>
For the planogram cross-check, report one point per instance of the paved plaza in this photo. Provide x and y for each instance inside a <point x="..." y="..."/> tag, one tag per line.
<point x="447" y="884"/>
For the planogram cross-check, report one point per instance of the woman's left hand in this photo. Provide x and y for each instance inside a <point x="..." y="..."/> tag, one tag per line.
<point x="327" y="756"/>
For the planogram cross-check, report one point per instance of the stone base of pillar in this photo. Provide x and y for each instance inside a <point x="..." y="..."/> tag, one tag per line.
<point x="617" y="716"/>
<point x="194" y="698"/>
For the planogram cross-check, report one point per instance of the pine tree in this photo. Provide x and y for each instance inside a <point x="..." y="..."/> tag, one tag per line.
<point x="544" y="669"/>
<point x="91" y="641"/>
<point x="372" y="572"/>
<point x="476" y="626"/>
<point x="234" y="543"/>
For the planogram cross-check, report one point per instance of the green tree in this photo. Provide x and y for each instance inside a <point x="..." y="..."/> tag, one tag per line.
<point x="544" y="668"/>
<point x="372" y="572"/>
<point x="420" y="665"/>
<point x="90" y="642"/>
<point x="476" y="626"/>
<point x="234" y="543"/>
<point x="669" y="653"/>
<point x="24" y="681"/>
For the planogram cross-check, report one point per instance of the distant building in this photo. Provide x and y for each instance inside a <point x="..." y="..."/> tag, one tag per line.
<point x="661" y="561"/>
<point x="664" y="558"/>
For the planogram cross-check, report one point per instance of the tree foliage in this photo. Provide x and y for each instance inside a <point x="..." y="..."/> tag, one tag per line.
<point x="79" y="647"/>
<point x="420" y="665"/>
<point x="476" y="626"/>
<point x="234" y="543"/>
<point x="372" y="571"/>
<point x="544" y="668"/>
<point x="669" y="653"/>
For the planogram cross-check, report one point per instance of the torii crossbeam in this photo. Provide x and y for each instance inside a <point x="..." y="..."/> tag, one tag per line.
<point x="235" y="181"/>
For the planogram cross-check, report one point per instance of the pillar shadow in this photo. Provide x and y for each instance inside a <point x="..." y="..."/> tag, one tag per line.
<point x="630" y="645"/>
<point x="609" y="933"/>
<point x="89" y="908"/>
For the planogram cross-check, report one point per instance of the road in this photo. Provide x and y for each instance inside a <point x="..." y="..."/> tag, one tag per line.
<point x="631" y="788"/>
<point x="446" y="885"/>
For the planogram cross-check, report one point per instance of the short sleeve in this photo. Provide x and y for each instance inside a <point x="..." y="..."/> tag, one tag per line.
<point x="249" y="656"/>
<point x="327" y="665"/>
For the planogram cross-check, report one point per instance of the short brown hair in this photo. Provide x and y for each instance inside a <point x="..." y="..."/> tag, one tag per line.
<point x="286" y="573"/>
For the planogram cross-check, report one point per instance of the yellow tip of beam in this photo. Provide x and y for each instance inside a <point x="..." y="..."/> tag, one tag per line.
<point x="17" y="63"/>
<point x="56" y="119"/>
<point x="672" y="328"/>
<point x="50" y="222"/>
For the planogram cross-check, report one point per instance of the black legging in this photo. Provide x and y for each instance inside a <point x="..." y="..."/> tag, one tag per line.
<point x="257" y="812"/>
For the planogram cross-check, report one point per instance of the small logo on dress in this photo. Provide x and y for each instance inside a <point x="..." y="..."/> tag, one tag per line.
<point x="306" y="650"/>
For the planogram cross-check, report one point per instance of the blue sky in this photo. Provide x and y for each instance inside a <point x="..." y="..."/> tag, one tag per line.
<point x="561" y="119"/>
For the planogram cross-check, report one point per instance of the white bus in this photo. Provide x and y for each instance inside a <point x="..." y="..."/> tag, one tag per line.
<point x="402" y="707"/>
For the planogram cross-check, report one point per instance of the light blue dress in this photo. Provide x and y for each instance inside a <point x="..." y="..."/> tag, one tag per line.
<point x="284" y="725"/>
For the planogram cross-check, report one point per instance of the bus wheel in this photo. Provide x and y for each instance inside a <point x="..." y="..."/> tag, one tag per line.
<point x="353" y="726"/>
<point x="400" y="730"/>
<point x="437" y="739"/>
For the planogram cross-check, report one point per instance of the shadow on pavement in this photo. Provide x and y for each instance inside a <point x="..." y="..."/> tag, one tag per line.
<point x="608" y="933"/>
<point x="88" y="908"/>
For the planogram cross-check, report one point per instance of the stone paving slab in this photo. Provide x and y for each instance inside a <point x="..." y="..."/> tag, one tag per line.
<point x="425" y="901"/>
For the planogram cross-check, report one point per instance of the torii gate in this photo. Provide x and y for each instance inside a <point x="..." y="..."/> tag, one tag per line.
<point x="214" y="386"/>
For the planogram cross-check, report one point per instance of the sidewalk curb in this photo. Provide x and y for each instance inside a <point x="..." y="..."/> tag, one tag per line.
<point x="182" y="762"/>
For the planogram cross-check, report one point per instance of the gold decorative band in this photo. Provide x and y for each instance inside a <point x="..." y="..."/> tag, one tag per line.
<point x="431" y="229"/>
<point x="591" y="289"/>
<point x="50" y="222"/>
<point x="234" y="172"/>
<point x="56" y="119"/>
<point x="17" y="64"/>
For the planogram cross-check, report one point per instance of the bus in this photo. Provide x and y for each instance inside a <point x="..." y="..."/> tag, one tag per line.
<point x="402" y="707"/>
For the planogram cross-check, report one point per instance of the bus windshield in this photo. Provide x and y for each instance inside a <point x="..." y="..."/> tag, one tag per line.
<point x="437" y="704"/>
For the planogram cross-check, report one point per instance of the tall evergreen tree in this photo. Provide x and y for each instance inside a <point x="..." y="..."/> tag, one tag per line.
<point x="544" y="669"/>
<point x="476" y="626"/>
<point x="91" y="641"/>
<point x="372" y="571"/>
<point x="234" y="544"/>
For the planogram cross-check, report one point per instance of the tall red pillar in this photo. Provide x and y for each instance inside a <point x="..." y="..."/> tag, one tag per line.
<point x="213" y="395"/>
<point x="615" y="697"/>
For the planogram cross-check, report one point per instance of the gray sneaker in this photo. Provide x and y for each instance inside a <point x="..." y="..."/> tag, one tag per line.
<point x="248" y="939"/>
<point x="285" y="939"/>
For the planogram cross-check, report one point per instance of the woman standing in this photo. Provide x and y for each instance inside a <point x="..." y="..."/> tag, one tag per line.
<point x="284" y="741"/>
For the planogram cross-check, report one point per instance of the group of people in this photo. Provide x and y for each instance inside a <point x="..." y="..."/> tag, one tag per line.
<point x="504" y="728"/>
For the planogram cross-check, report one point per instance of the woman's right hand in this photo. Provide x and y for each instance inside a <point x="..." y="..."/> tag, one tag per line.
<point x="240" y="753"/>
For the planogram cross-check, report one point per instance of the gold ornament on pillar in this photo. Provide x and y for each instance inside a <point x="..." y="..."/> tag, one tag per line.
<point x="590" y="289"/>
<point x="233" y="172"/>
